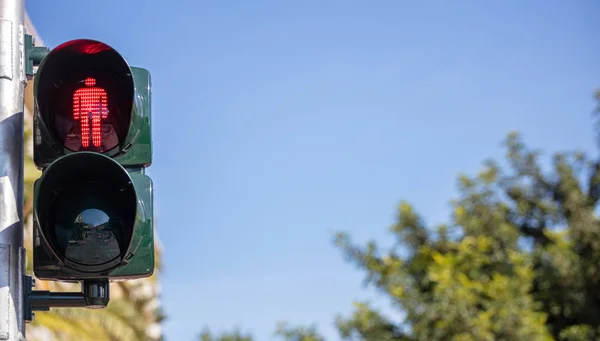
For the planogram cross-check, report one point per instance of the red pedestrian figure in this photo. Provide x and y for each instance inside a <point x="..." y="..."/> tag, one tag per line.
<point x="90" y="104"/>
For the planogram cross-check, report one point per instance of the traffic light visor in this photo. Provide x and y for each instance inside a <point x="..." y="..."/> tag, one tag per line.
<point x="85" y="94"/>
<point x="86" y="209"/>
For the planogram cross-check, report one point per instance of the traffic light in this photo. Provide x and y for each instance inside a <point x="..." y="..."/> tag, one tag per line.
<point x="93" y="204"/>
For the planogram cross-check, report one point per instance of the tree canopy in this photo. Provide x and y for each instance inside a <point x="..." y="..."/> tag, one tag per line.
<point x="519" y="259"/>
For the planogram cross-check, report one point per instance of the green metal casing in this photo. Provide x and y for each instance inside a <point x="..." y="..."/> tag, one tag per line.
<point x="137" y="148"/>
<point x="128" y="161"/>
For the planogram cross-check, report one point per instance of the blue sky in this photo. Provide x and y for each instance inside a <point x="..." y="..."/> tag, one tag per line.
<point x="277" y="123"/>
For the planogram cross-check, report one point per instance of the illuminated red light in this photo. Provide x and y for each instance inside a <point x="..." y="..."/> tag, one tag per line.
<point x="85" y="46"/>
<point x="90" y="103"/>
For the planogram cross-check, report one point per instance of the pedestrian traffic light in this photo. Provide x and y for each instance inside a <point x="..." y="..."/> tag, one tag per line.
<point x="93" y="204"/>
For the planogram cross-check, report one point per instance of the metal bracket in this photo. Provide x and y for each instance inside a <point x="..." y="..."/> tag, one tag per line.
<point x="33" y="55"/>
<point x="94" y="294"/>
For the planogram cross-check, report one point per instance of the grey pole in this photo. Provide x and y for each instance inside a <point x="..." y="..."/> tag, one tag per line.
<point x="12" y="253"/>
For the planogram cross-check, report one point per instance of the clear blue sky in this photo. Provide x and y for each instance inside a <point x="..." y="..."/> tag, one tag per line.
<point x="277" y="123"/>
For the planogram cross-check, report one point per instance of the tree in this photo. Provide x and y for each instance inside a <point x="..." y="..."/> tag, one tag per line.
<point x="518" y="260"/>
<point x="235" y="335"/>
<point x="283" y="330"/>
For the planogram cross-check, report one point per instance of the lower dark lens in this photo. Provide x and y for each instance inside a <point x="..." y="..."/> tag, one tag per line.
<point x="88" y="231"/>
<point x="87" y="210"/>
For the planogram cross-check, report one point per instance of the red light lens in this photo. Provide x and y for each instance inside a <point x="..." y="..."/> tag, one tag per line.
<point x="85" y="96"/>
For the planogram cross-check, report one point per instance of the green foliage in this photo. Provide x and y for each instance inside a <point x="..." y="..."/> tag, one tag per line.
<point x="298" y="333"/>
<point x="283" y="330"/>
<point x="235" y="335"/>
<point x="519" y="259"/>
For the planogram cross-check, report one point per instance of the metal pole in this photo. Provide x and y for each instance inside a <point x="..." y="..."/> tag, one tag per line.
<point x="12" y="253"/>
